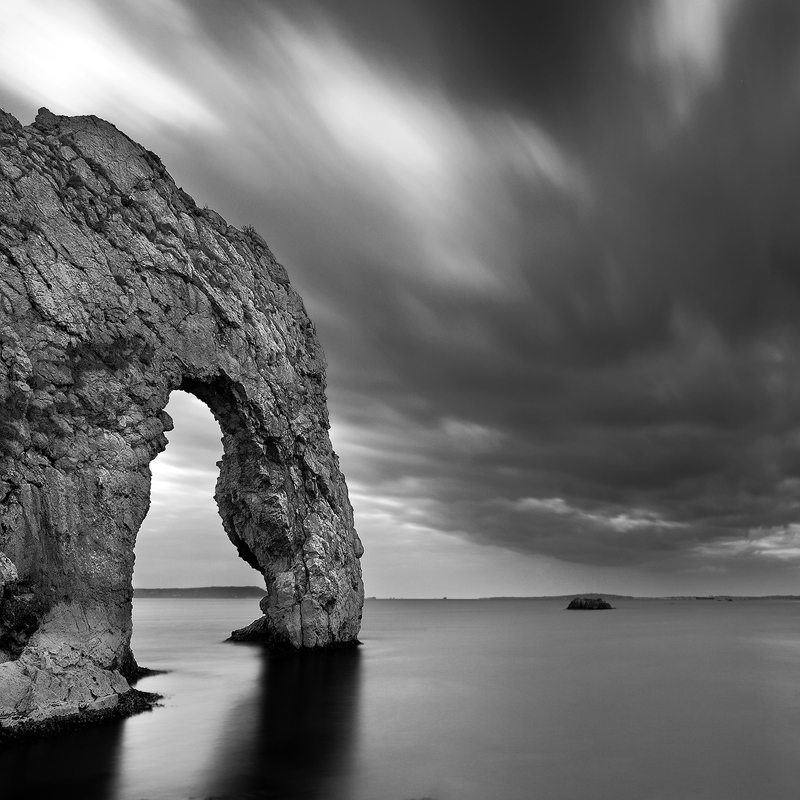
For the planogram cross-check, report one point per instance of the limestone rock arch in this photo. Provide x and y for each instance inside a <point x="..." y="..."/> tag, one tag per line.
<point x="116" y="289"/>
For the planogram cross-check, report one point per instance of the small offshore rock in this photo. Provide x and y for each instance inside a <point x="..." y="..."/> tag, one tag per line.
<point x="589" y="604"/>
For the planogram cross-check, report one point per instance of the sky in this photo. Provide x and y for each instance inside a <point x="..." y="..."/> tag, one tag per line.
<point x="551" y="250"/>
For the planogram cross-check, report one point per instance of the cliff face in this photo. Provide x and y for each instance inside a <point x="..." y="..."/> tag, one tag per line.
<point x="115" y="289"/>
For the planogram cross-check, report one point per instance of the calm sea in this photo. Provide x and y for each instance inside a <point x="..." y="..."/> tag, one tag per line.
<point x="452" y="700"/>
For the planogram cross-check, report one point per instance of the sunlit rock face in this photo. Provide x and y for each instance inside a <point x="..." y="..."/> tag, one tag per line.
<point x="116" y="289"/>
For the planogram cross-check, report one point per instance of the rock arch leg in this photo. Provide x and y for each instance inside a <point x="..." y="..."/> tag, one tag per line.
<point x="73" y="501"/>
<point x="283" y="508"/>
<point x="115" y="289"/>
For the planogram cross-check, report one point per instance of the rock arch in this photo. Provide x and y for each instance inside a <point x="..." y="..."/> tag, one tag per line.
<point x="115" y="289"/>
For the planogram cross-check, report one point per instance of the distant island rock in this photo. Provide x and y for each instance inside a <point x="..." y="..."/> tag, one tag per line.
<point x="589" y="604"/>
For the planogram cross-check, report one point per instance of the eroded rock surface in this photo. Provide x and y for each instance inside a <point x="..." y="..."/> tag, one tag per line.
<point x="115" y="289"/>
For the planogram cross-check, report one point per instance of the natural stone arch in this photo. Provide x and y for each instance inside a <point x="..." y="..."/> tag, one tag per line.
<point x="116" y="289"/>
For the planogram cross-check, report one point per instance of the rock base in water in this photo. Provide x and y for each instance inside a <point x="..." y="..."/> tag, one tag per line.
<point x="260" y="632"/>
<point x="589" y="604"/>
<point x="128" y="704"/>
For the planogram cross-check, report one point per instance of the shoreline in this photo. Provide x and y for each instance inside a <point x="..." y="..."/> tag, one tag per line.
<point x="133" y="702"/>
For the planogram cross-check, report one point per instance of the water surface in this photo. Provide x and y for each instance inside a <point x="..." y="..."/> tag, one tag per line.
<point x="453" y="700"/>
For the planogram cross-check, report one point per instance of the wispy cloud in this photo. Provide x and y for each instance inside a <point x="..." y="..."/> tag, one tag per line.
<point x="781" y="544"/>
<point x="78" y="59"/>
<point x="686" y="43"/>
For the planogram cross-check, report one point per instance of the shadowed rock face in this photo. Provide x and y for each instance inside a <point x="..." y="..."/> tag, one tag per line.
<point x="116" y="289"/>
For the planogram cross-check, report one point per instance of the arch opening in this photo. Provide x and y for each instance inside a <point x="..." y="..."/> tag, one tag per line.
<point x="181" y="542"/>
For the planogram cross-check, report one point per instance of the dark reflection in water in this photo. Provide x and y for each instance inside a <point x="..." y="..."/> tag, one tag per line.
<point x="77" y="764"/>
<point x="296" y="736"/>
<point x="236" y="723"/>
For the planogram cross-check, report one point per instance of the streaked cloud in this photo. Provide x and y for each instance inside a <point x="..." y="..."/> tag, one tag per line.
<point x="76" y="57"/>
<point x="686" y="41"/>
<point x="633" y="520"/>
<point x="782" y="544"/>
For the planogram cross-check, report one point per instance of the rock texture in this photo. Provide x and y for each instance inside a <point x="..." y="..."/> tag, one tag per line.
<point x="588" y="604"/>
<point x="116" y="289"/>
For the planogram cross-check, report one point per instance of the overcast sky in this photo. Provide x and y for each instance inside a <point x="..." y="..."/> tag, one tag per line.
<point x="551" y="249"/>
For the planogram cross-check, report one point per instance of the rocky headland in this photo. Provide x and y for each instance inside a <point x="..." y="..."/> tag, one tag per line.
<point x="116" y="289"/>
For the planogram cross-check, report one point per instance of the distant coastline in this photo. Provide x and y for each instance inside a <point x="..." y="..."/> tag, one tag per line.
<point x="606" y="596"/>
<point x="201" y="592"/>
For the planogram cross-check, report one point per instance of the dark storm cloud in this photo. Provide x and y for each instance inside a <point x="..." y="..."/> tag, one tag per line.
<point x="634" y="378"/>
<point x="551" y="249"/>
